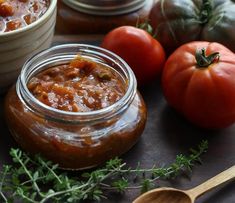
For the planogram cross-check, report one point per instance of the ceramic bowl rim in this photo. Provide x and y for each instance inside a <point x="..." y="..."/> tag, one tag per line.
<point x="47" y="14"/>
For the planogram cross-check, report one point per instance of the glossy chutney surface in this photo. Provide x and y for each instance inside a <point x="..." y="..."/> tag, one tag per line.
<point x="15" y="14"/>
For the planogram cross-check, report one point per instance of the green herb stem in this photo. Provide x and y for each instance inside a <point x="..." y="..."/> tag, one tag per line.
<point x="49" y="169"/>
<point x="28" y="174"/>
<point x="63" y="192"/>
<point x="27" y="178"/>
<point x="6" y="169"/>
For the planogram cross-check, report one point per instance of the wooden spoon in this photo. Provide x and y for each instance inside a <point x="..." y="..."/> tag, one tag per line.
<point x="171" y="195"/>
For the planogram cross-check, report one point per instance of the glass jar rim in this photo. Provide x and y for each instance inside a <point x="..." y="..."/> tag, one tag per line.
<point x="105" y="8"/>
<point x="27" y="97"/>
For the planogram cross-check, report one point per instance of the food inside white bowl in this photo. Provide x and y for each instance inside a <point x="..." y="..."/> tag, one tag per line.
<point x="26" y="27"/>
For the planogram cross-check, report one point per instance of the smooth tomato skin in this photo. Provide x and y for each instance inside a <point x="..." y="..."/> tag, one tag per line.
<point x="205" y="96"/>
<point x="139" y="49"/>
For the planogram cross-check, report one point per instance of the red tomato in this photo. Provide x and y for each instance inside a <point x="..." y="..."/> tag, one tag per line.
<point x="203" y="92"/>
<point x="139" y="49"/>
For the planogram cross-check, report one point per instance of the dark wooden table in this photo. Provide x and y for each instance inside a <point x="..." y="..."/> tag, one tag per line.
<point x="166" y="135"/>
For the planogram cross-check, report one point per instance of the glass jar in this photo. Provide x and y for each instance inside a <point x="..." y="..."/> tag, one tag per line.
<point x="75" y="140"/>
<point x="99" y="16"/>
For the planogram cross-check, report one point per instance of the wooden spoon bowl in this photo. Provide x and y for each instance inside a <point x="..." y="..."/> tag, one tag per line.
<point x="164" y="195"/>
<point x="171" y="195"/>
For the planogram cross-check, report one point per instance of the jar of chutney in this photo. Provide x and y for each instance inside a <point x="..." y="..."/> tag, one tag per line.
<point x="76" y="105"/>
<point x="100" y="16"/>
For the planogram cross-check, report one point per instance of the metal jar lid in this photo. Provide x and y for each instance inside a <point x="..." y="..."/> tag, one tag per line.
<point x="105" y="7"/>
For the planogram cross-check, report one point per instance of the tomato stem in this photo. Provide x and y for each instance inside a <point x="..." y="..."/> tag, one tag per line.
<point x="146" y="26"/>
<point x="206" y="11"/>
<point x="205" y="61"/>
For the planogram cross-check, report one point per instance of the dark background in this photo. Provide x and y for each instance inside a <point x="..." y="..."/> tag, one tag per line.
<point x="166" y="135"/>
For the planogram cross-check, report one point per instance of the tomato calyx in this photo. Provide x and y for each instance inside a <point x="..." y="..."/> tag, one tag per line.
<point x="146" y="27"/>
<point x="206" y="11"/>
<point x="204" y="61"/>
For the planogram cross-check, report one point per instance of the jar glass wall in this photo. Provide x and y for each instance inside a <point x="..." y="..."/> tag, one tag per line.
<point x="75" y="140"/>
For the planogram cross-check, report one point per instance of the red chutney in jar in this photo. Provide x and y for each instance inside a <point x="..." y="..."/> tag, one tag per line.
<point x="80" y="86"/>
<point x="76" y="143"/>
<point x="15" y="14"/>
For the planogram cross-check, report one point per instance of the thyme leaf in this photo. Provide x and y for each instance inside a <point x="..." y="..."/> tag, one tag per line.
<point x="36" y="180"/>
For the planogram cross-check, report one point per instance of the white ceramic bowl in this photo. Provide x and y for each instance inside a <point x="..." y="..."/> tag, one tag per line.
<point x="19" y="45"/>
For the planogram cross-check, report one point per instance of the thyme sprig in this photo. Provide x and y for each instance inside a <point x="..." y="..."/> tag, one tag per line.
<point x="37" y="180"/>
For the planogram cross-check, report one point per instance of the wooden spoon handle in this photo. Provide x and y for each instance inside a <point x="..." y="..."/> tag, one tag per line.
<point x="212" y="183"/>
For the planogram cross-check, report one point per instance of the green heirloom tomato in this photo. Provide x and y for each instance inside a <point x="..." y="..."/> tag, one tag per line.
<point x="176" y="22"/>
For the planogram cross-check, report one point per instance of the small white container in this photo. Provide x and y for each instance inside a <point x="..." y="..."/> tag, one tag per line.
<point x="19" y="45"/>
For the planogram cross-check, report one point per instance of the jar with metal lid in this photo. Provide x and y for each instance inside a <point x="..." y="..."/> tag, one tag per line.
<point x="75" y="140"/>
<point x="100" y="16"/>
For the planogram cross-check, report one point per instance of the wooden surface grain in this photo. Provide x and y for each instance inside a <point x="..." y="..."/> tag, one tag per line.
<point x="166" y="135"/>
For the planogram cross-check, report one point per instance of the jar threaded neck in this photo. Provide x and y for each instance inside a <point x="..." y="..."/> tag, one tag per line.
<point x="60" y="54"/>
